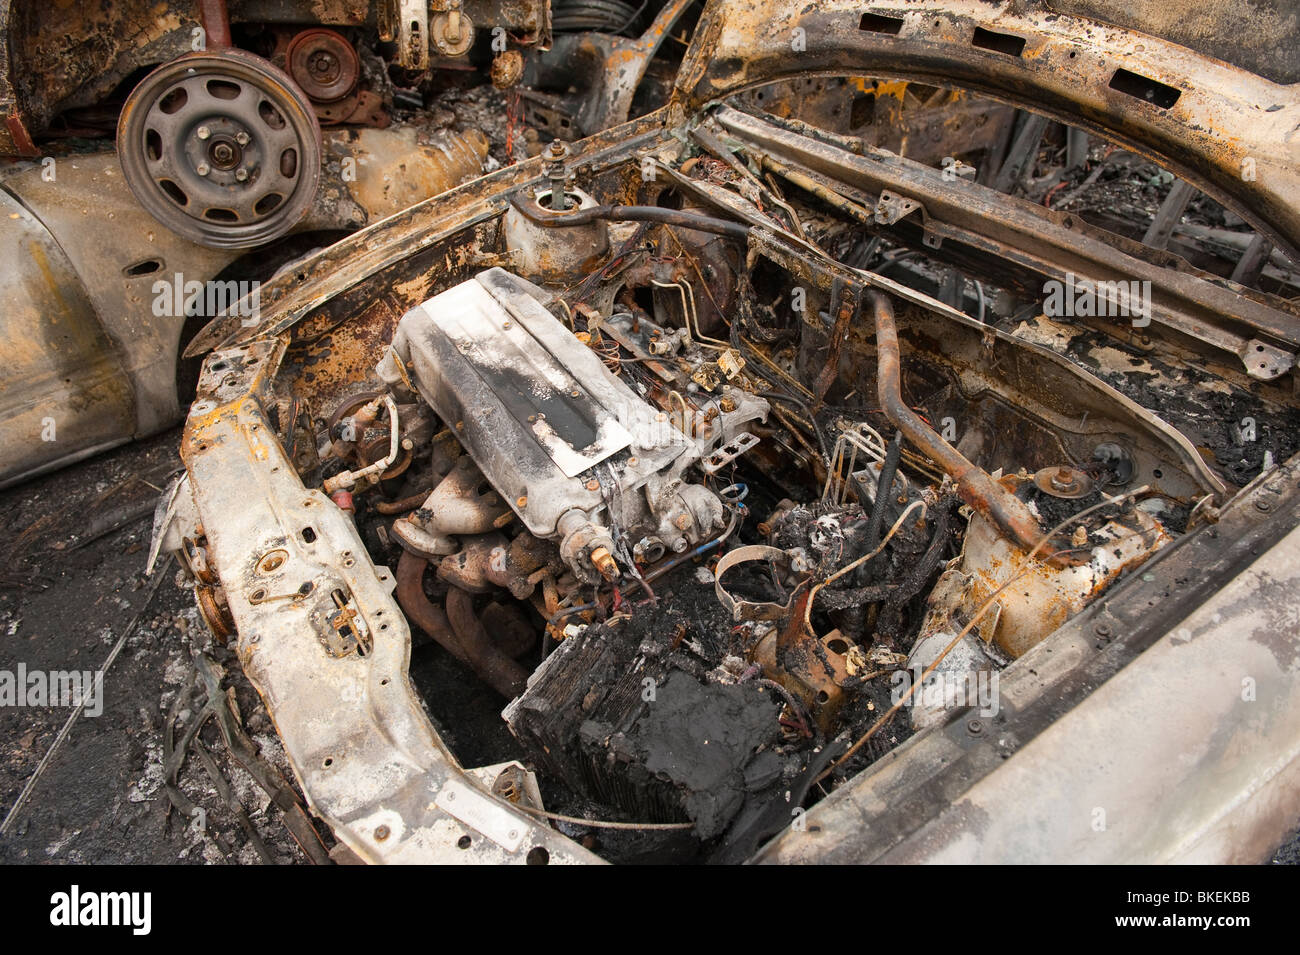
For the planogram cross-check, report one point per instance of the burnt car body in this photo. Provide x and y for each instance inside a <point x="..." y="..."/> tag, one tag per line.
<point x="694" y="483"/>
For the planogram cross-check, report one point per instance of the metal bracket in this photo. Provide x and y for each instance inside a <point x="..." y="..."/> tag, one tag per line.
<point x="413" y="34"/>
<point x="891" y="207"/>
<point x="733" y="449"/>
<point x="1265" y="361"/>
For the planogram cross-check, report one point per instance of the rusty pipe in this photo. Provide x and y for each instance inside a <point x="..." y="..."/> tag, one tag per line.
<point x="487" y="659"/>
<point x="510" y="629"/>
<point x="675" y="217"/>
<point x="492" y="666"/>
<point x="215" y="21"/>
<point x="419" y="609"/>
<point x="1007" y="512"/>
<point x="402" y="504"/>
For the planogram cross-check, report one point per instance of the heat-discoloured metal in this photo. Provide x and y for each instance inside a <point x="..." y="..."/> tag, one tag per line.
<point x="1213" y="133"/>
<point x="976" y="488"/>
<point x="456" y="628"/>
<point x="388" y="759"/>
<point x="1114" y="680"/>
<point x="375" y="770"/>
<point x="1260" y="331"/>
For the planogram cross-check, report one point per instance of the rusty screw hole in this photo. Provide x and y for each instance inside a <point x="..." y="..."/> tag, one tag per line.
<point x="271" y="562"/>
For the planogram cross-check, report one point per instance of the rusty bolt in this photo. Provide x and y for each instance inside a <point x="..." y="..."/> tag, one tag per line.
<point x="521" y="502"/>
<point x="631" y="462"/>
<point x="241" y="174"/>
<point x="203" y="132"/>
<point x="1063" y="479"/>
<point x="683" y="521"/>
<point x="593" y="485"/>
<point x="381" y="833"/>
<point x="460" y="426"/>
<point x="507" y="69"/>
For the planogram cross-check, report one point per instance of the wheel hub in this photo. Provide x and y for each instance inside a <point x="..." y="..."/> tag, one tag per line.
<point x="324" y="64"/>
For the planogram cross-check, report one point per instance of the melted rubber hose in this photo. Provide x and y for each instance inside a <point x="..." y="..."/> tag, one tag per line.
<point x="884" y="490"/>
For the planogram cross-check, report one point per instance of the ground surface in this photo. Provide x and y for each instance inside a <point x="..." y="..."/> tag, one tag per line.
<point x="65" y="601"/>
<point x="74" y="546"/>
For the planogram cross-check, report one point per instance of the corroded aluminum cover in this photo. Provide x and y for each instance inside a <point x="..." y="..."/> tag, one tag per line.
<point x="533" y="406"/>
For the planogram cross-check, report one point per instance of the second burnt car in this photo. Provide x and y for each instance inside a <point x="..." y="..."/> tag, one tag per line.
<point x="790" y="499"/>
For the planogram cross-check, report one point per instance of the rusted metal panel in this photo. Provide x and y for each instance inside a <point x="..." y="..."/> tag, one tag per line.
<point x="1254" y="36"/>
<point x="64" y="394"/>
<point x="1229" y="132"/>
<point x="73" y="54"/>
<point x="120" y="277"/>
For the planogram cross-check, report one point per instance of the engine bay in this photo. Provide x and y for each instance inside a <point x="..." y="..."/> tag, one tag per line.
<point x="711" y="511"/>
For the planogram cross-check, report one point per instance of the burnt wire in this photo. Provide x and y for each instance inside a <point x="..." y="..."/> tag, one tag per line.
<point x="807" y="411"/>
<point x="884" y="489"/>
<point x="978" y="615"/>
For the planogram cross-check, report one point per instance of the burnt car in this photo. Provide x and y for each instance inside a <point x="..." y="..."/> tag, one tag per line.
<point x="788" y="497"/>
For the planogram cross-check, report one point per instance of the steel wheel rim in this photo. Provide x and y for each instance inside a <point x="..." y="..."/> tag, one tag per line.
<point x="221" y="148"/>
